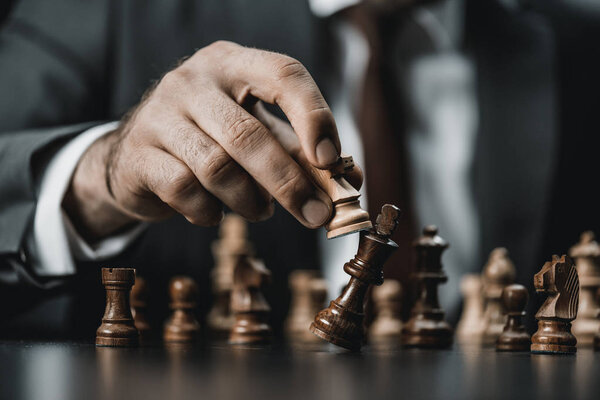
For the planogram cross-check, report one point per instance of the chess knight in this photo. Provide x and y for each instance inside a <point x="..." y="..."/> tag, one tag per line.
<point x="558" y="278"/>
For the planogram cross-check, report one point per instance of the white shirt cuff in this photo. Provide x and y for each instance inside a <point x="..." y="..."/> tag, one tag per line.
<point x="326" y="8"/>
<point x="56" y="244"/>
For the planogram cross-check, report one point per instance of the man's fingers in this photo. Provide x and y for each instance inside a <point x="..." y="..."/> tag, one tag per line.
<point x="282" y="80"/>
<point x="253" y="147"/>
<point x="176" y="185"/>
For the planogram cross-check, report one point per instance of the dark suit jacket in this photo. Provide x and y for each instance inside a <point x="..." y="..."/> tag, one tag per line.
<point x="64" y="63"/>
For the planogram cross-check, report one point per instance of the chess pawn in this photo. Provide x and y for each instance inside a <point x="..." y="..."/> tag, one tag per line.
<point x="427" y="326"/>
<point x="387" y="325"/>
<point x="232" y="243"/>
<point x="117" y="328"/>
<point x="586" y="254"/>
<point x="306" y="288"/>
<point x="139" y="302"/>
<point x="348" y="216"/>
<point x="470" y="327"/>
<point x="182" y="325"/>
<point x="248" y="304"/>
<point x="514" y="337"/>
<point x="342" y="322"/>
<point x="558" y="278"/>
<point x="498" y="273"/>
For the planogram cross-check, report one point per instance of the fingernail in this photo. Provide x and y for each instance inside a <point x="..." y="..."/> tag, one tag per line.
<point x="326" y="152"/>
<point x="315" y="212"/>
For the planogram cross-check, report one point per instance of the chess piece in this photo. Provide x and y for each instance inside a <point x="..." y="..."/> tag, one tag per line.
<point x="427" y="326"/>
<point x="498" y="273"/>
<point x="470" y="327"/>
<point x="348" y="216"/>
<point x="558" y="278"/>
<point x="342" y="322"/>
<point x="597" y="336"/>
<point x="387" y="325"/>
<point x="117" y="328"/>
<point x="586" y="255"/>
<point x="232" y="243"/>
<point x="309" y="292"/>
<point x="514" y="337"/>
<point x="182" y="326"/>
<point x="139" y="302"/>
<point x="248" y="304"/>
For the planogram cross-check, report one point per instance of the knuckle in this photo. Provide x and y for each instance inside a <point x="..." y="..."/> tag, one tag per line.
<point x="217" y="166"/>
<point x="181" y="182"/>
<point x="243" y="132"/>
<point x="289" y="68"/>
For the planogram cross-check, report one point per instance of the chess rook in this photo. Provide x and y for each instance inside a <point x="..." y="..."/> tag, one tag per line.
<point x="117" y="328"/>
<point x="348" y="216"/>
<point x="387" y="325"/>
<point x="342" y="322"/>
<point x="498" y="273"/>
<point x="586" y="255"/>
<point x="427" y="326"/>
<point x="558" y="278"/>
<point x="514" y="337"/>
<point x="182" y="326"/>
<point x="139" y="303"/>
<point x="248" y="304"/>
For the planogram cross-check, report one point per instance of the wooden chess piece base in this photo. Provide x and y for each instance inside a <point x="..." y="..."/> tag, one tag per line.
<point x="429" y="331"/>
<point x="182" y="326"/>
<point x="339" y="326"/>
<point x="348" y="218"/>
<point x="514" y="341"/>
<point x="250" y="328"/>
<point x="553" y="336"/>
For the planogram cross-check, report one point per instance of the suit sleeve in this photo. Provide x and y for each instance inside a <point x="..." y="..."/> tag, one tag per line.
<point x="52" y="69"/>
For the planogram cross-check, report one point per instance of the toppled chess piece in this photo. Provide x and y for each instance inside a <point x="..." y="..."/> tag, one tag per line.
<point x="558" y="278"/>
<point x="514" y="337"/>
<point x="117" y="328"/>
<point x="248" y="304"/>
<point x="387" y="325"/>
<point x="348" y="216"/>
<point x="470" y="327"/>
<point x="342" y="322"/>
<point x="586" y="255"/>
<point x="182" y="326"/>
<point x="139" y="303"/>
<point x="427" y="326"/>
<point x="309" y="292"/>
<point x="498" y="273"/>
<point x="232" y="243"/>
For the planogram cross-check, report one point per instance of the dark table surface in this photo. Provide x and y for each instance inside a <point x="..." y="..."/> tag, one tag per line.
<point x="69" y="370"/>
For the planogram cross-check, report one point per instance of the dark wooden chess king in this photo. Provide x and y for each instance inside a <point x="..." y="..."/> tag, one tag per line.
<point x="514" y="337"/>
<point x="427" y="326"/>
<point x="342" y="322"/>
<point x="117" y="328"/>
<point x="558" y="278"/>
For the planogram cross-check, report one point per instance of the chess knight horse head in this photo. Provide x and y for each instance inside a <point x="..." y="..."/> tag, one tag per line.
<point x="558" y="278"/>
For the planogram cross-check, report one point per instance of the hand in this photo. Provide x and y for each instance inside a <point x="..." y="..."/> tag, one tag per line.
<point x="201" y="138"/>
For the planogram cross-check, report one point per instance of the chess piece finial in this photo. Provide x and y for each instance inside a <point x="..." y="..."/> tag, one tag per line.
<point x="557" y="278"/>
<point x="117" y="328"/>
<point x="248" y="304"/>
<point x="498" y="273"/>
<point x="586" y="255"/>
<point x="387" y="325"/>
<point x="348" y="217"/>
<point x="232" y="243"/>
<point x="182" y="325"/>
<point x="309" y="292"/>
<point x="342" y="322"/>
<point x="427" y="326"/>
<point x="514" y="337"/>
<point x="139" y="303"/>
<point x="470" y="328"/>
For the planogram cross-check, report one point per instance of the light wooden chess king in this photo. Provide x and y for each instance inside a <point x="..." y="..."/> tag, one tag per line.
<point x="348" y="216"/>
<point x="342" y="322"/>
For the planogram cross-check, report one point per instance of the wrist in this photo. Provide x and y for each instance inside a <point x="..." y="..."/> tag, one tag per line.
<point x="88" y="203"/>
